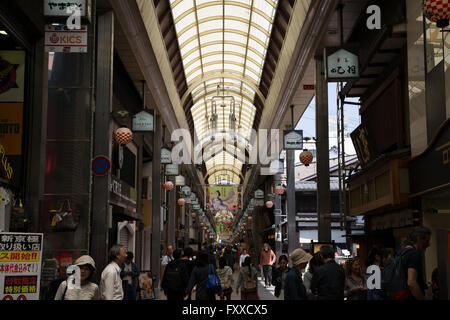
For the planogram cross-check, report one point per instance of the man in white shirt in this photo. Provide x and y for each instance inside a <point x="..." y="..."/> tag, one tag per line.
<point x="168" y="257"/>
<point x="243" y="256"/>
<point x="111" y="283"/>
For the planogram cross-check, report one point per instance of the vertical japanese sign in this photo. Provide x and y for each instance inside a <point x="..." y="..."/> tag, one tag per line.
<point x="20" y="265"/>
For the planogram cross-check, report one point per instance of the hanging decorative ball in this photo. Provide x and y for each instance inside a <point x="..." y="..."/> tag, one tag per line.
<point x="193" y="214"/>
<point x="205" y="228"/>
<point x="181" y="201"/>
<point x="438" y="11"/>
<point x="202" y="224"/>
<point x="244" y="224"/>
<point x="306" y="157"/>
<point x="123" y="135"/>
<point x="250" y="218"/>
<point x="168" y="185"/>
<point x="279" y="190"/>
<point x="269" y="204"/>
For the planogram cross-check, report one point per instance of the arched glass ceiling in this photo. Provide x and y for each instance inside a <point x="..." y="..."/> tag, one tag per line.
<point x="223" y="43"/>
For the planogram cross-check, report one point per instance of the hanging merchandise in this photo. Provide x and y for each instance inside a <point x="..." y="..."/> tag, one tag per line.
<point x="63" y="219"/>
<point x="438" y="11"/>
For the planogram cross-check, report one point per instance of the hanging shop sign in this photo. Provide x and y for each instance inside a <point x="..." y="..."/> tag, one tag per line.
<point x="20" y="265"/>
<point x="196" y="207"/>
<point x="166" y="156"/>
<point x="62" y="9"/>
<point x="364" y="145"/>
<point x="259" y="202"/>
<point x="58" y="38"/>
<point x="293" y="139"/>
<point x="180" y="181"/>
<point x="259" y="194"/>
<point x="186" y="190"/>
<point x="194" y="201"/>
<point x="276" y="167"/>
<point x="172" y="170"/>
<point x="193" y="197"/>
<point x="341" y="65"/>
<point x="143" y="122"/>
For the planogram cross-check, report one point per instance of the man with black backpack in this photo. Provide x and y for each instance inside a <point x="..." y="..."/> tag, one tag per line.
<point x="175" y="278"/>
<point x="403" y="277"/>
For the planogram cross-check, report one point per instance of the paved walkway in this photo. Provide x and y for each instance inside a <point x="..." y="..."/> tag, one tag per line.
<point x="264" y="293"/>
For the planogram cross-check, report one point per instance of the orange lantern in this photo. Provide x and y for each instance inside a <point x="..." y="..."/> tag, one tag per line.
<point x="438" y="11"/>
<point x="123" y="135"/>
<point x="193" y="214"/>
<point x="168" y="185"/>
<point x="202" y="224"/>
<point x="306" y="157"/>
<point x="269" y="204"/>
<point x="250" y="218"/>
<point x="181" y="201"/>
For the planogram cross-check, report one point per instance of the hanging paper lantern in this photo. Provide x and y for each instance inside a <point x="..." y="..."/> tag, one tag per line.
<point x="193" y="214"/>
<point x="123" y="135"/>
<point x="244" y="224"/>
<point x="168" y="185"/>
<point x="306" y="157"/>
<point x="438" y="11"/>
<point x="202" y="224"/>
<point x="205" y="228"/>
<point x="181" y="201"/>
<point x="250" y="218"/>
<point x="279" y="190"/>
<point x="269" y="204"/>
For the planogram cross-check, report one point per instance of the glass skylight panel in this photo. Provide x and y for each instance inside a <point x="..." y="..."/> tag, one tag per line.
<point x="214" y="46"/>
<point x="186" y="46"/>
<point x="182" y="7"/>
<point x="216" y="36"/>
<point x="206" y="12"/>
<point x="236" y="11"/>
<point x="236" y="25"/>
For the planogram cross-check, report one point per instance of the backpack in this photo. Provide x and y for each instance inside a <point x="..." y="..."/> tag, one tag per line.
<point x="213" y="282"/>
<point x="173" y="280"/>
<point x="394" y="279"/>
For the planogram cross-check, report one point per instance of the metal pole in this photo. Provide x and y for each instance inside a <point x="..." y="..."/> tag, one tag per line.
<point x="277" y="212"/>
<point x="291" y="208"/>
<point x="170" y="203"/>
<point x="323" y="156"/>
<point x="156" y="201"/>
<point x="186" y="225"/>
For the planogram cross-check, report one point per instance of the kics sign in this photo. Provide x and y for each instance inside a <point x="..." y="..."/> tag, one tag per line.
<point x="61" y="39"/>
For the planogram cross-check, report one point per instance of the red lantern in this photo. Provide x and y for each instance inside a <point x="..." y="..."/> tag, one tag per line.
<point x="123" y="135"/>
<point x="279" y="190"/>
<point x="205" y="228"/>
<point x="306" y="157"/>
<point x="193" y="214"/>
<point x="244" y="224"/>
<point x="269" y="204"/>
<point x="438" y="11"/>
<point x="168" y="185"/>
<point x="181" y="201"/>
<point x="202" y="224"/>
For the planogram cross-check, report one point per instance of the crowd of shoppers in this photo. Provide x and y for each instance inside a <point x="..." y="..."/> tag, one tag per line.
<point x="311" y="277"/>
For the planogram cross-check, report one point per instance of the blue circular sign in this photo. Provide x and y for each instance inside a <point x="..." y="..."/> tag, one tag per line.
<point x="101" y="166"/>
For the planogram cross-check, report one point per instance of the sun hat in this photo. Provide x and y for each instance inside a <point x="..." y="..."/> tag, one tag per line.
<point x="85" y="260"/>
<point x="299" y="256"/>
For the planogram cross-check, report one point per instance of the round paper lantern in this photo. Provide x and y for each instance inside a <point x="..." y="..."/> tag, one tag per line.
<point x="168" y="185"/>
<point x="205" y="228"/>
<point x="438" y="11"/>
<point x="244" y="224"/>
<point x="269" y="204"/>
<point x="123" y="135"/>
<point x="202" y="224"/>
<point x="193" y="214"/>
<point x="250" y="218"/>
<point x="181" y="201"/>
<point x="279" y="190"/>
<point x="306" y="157"/>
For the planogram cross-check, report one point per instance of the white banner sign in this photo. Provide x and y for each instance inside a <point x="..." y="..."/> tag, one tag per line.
<point x="20" y="265"/>
<point x="61" y="39"/>
<point x="58" y="8"/>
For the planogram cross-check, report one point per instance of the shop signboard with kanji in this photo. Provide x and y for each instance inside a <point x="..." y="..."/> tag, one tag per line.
<point x="20" y="265"/>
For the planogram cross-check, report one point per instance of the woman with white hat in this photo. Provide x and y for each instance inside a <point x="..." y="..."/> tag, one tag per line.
<point x="294" y="288"/>
<point x="87" y="289"/>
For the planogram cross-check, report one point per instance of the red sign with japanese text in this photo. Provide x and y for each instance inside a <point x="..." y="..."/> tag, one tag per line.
<point x="20" y="265"/>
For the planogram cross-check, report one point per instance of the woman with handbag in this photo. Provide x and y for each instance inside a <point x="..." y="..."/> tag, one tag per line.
<point x="226" y="278"/>
<point x="88" y="290"/>
<point x="247" y="281"/>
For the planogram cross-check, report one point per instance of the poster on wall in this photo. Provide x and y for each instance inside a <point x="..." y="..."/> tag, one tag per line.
<point x="223" y="198"/>
<point x="20" y="265"/>
<point x="11" y="127"/>
<point x="12" y="75"/>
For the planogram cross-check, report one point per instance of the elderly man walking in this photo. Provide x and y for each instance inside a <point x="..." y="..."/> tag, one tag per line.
<point x="111" y="283"/>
